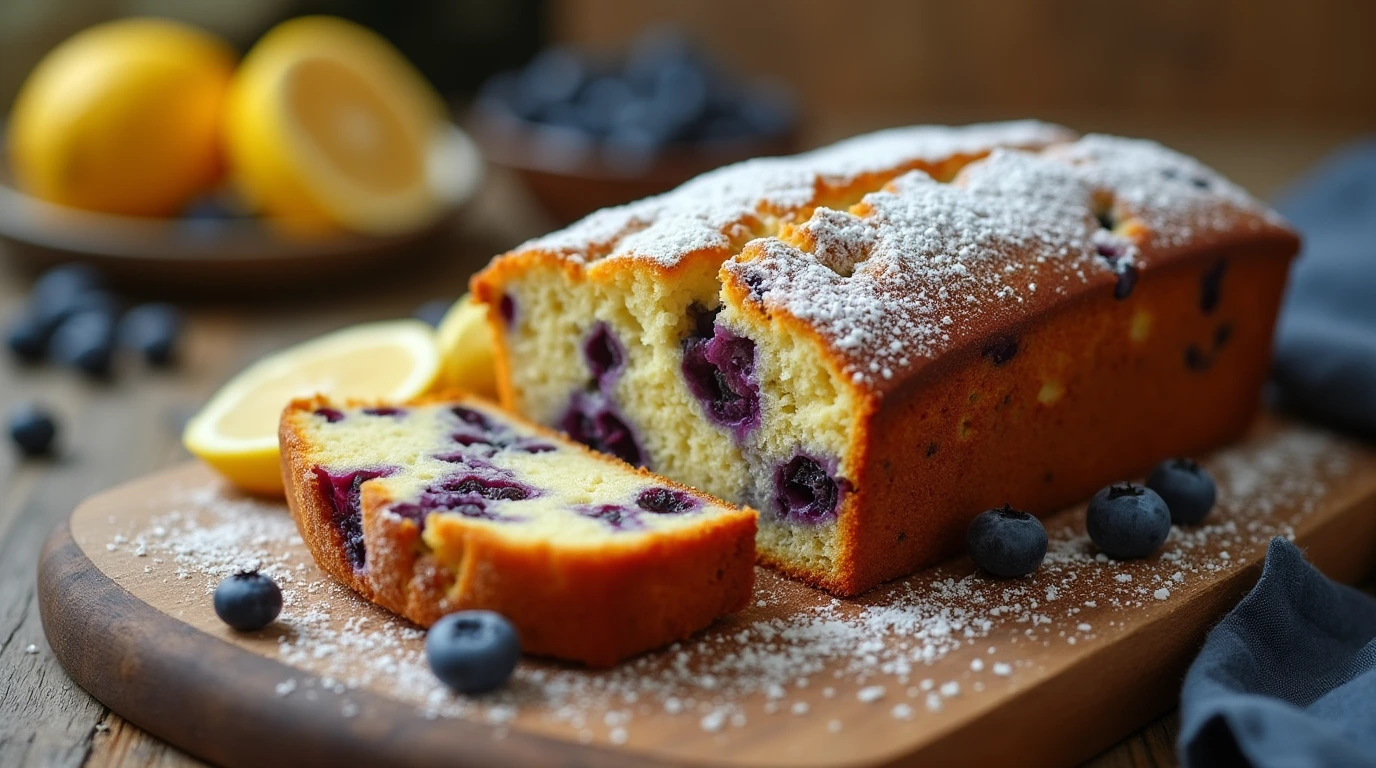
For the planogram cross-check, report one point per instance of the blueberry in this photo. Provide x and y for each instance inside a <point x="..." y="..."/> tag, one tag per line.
<point x="1187" y="488"/>
<point x="248" y="601"/>
<point x="1006" y="542"/>
<point x="473" y="651"/>
<point x="85" y="341"/>
<point x="804" y="492"/>
<point x="152" y="330"/>
<point x="27" y="337"/>
<point x="552" y="77"/>
<point x="63" y="291"/>
<point x="1128" y="521"/>
<point x="433" y="311"/>
<point x="32" y="429"/>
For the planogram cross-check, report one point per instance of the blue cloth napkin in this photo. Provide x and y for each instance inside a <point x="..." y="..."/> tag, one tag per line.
<point x="1325" y="365"/>
<point x="1288" y="678"/>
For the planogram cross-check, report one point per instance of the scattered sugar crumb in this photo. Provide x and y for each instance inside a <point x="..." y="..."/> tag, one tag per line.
<point x="870" y="693"/>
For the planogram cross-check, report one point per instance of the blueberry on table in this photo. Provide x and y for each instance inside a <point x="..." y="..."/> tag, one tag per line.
<point x="26" y="337"/>
<point x="1006" y="542"/>
<point x="62" y="284"/>
<point x="85" y="341"/>
<point x="1186" y="487"/>
<point x="152" y="330"/>
<point x="473" y="651"/>
<point x="248" y="601"/>
<point x="433" y="311"/>
<point x="32" y="429"/>
<point x="1128" y="521"/>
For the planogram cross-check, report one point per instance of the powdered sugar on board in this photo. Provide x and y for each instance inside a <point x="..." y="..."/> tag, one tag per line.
<point x="919" y="650"/>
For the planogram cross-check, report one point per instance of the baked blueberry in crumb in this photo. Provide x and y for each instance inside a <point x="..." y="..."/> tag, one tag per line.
<point x="1128" y="521"/>
<point x="615" y="516"/>
<point x="470" y="416"/>
<point x="248" y="601"/>
<point x="344" y="492"/>
<point x="804" y="492"/>
<point x="604" y="355"/>
<point x="330" y="414"/>
<point x="593" y="421"/>
<point x="1006" y="542"/>
<point x="506" y="307"/>
<point x="473" y="651"/>
<point x="385" y="411"/>
<point x="1187" y="489"/>
<point x="720" y="372"/>
<point x="32" y="429"/>
<point x="665" y="501"/>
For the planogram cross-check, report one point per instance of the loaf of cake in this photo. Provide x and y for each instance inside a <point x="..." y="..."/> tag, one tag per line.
<point x="442" y="506"/>
<point x="873" y="342"/>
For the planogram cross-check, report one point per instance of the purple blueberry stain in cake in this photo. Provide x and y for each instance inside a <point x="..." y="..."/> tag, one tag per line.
<point x="487" y="487"/>
<point x="506" y="308"/>
<point x="720" y="372"/>
<point x="472" y="418"/>
<point x="385" y="411"/>
<point x="1211" y="287"/>
<point x="614" y="516"/>
<point x="604" y="355"/>
<point x="343" y="492"/>
<point x="593" y="421"/>
<point x="666" y="501"/>
<point x="804" y="492"/>
<point x="331" y="415"/>
<point x="530" y="445"/>
<point x="1001" y="350"/>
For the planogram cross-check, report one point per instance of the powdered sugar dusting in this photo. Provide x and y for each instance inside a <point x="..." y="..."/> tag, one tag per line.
<point x="926" y="647"/>
<point x="922" y="265"/>
<point x="726" y="205"/>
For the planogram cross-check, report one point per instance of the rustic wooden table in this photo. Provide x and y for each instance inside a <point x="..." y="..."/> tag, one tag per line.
<point x="113" y="432"/>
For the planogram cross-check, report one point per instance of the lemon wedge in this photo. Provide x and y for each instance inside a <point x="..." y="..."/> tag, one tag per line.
<point x="465" y="341"/>
<point x="236" y="432"/>
<point x="328" y="126"/>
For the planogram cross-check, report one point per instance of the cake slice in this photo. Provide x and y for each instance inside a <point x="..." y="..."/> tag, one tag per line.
<point x="873" y="342"/>
<point x="442" y="506"/>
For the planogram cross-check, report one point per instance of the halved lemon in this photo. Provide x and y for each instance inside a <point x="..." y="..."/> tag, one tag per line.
<point x="465" y="341"/>
<point x="236" y="432"/>
<point x="328" y="126"/>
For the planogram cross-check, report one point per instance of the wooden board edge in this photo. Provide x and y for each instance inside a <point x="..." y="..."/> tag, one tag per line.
<point x="117" y="658"/>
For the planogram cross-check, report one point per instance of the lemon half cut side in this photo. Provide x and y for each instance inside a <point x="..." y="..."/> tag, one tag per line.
<point x="236" y="432"/>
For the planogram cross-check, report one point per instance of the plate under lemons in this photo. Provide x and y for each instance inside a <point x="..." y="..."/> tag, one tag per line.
<point x="236" y="432"/>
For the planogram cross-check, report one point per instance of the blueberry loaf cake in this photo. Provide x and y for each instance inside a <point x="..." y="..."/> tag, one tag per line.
<point x="435" y="507"/>
<point x="872" y="342"/>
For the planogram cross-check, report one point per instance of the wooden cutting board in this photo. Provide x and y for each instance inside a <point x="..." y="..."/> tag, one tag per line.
<point x="944" y="668"/>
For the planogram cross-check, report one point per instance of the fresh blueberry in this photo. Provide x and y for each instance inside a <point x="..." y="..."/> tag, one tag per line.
<point x="1006" y="542"/>
<point x="552" y="77"/>
<point x="152" y="330"/>
<point x="32" y="429"/>
<point x="248" y="601"/>
<point x="473" y="651"/>
<point x="64" y="291"/>
<point x="433" y="311"/>
<point x="85" y="341"/>
<point x="1128" y="521"/>
<point x="1187" y="488"/>
<point x="26" y="337"/>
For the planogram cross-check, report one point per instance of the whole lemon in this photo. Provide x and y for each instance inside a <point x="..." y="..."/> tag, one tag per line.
<point x="124" y="117"/>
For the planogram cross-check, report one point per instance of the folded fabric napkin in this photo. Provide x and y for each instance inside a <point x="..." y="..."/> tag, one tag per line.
<point x="1288" y="678"/>
<point x="1325" y="365"/>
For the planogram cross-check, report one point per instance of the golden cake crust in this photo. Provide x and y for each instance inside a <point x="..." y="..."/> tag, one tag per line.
<point x="595" y="605"/>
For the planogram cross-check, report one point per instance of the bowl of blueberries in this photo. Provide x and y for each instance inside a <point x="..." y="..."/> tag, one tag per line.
<point x="586" y="131"/>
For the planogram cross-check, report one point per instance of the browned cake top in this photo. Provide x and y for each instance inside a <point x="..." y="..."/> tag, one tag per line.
<point x="1034" y="218"/>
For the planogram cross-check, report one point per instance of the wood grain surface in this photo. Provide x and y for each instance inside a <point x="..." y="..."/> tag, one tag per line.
<point x="113" y="432"/>
<point x="123" y="596"/>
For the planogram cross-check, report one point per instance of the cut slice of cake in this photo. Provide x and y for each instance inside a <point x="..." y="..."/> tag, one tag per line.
<point x="873" y="342"/>
<point x="442" y="506"/>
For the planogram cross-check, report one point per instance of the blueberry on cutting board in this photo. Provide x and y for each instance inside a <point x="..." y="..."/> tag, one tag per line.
<point x="85" y="341"/>
<point x="248" y="601"/>
<point x="1128" y="521"/>
<point x="32" y="429"/>
<point x="1188" y="489"/>
<point x="1006" y="542"/>
<point x="473" y="651"/>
